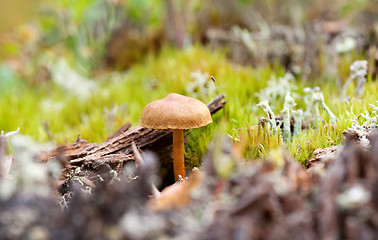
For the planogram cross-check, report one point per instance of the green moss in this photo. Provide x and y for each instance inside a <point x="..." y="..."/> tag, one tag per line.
<point x="121" y="97"/>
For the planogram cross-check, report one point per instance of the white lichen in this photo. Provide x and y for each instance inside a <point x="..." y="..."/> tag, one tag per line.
<point x="64" y="200"/>
<point x="286" y="112"/>
<point x="277" y="89"/>
<point x="99" y="177"/>
<point x="27" y="175"/>
<point x="87" y="190"/>
<point x="289" y="104"/>
<point x="297" y="115"/>
<point x="346" y="44"/>
<point x="354" y="197"/>
<point x="271" y="118"/>
<point x="245" y="37"/>
<point x="134" y="224"/>
<point x="320" y="100"/>
<point x="358" y="71"/>
<point x="201" y="86"/>
<point x="114" y="176"/>
<point x="70" y="80"/>
<point x="314" y="99"/>
<point x="365" y="125"/>
<point x="2" y="134"/>
<point x="5" y="160"/>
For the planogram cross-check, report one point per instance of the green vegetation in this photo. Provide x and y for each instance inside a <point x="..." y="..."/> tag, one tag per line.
<point x="54" y="75"/>
<point x="120" y="97"/>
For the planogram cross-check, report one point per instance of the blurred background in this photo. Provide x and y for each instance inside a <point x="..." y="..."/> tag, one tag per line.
<point x="117" y="33"/>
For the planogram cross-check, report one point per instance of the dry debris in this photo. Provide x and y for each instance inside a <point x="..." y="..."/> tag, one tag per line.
<point x="322" y="155"/>
<point x="272" y="199"/>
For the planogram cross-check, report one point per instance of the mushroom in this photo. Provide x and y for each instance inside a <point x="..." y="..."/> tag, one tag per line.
<point x="176" y="112"/>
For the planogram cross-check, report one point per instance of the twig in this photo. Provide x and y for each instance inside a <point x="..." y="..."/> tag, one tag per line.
<point x="48" y="132"/>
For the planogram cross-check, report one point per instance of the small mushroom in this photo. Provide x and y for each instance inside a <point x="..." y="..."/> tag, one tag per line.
<point x="176" y="112"/>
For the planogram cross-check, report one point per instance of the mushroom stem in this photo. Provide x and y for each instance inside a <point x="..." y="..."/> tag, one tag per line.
<point x="178" y="154"/>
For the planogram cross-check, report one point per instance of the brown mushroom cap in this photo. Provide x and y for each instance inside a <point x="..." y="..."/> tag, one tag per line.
<point x="175" y="112"/>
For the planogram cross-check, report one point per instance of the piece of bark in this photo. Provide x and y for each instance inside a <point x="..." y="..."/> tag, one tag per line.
<point x="351" y="135"/>
<point x="114" y="151"/>
<point x="109" y="159"/>
<point x="321" y="154"/>
<point x="70" y="151"/>
<point x="158" y="141"/>
<point x="92" y="168"/>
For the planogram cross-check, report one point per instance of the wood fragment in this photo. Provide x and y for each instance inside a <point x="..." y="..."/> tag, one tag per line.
<point x="321" y="154"/>
<point x="117" y="149"/>
<point x="70" y="151"/>
<point x="46" y="126"/>
<point x="108" y="159"/>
